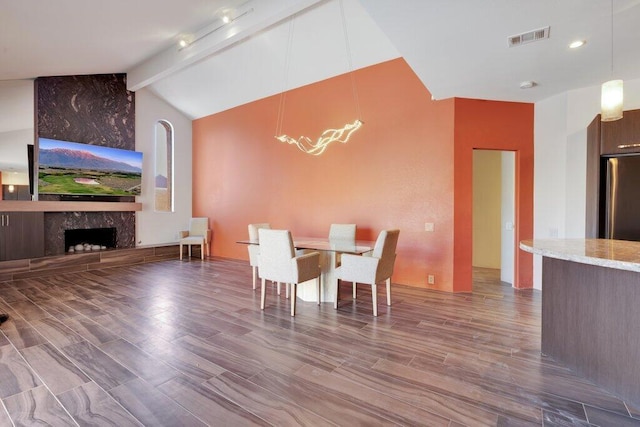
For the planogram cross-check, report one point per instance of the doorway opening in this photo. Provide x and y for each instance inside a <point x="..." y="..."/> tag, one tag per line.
<point x="494" y="245"/>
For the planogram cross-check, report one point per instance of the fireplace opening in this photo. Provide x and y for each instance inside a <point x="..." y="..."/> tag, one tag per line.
<point x="89" y="239"/>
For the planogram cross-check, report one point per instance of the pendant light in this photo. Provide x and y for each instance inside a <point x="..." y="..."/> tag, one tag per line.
<point x="343" y="134"/>
<point x="611" y="101"/>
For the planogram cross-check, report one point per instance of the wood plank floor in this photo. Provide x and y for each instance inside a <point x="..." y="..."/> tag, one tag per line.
<point x="178" y="343"/>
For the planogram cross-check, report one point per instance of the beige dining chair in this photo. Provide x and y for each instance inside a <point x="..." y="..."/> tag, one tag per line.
<point x="198" y="234"/>
<point x="254" y="250"/>
<point x="371" y="270"/>
<point x="278" y="263"/>
<point x="342" y="233"/>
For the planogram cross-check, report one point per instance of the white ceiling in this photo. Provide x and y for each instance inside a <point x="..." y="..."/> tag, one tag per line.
<point x="456" y="47"/>
<point x="459" y="47"/>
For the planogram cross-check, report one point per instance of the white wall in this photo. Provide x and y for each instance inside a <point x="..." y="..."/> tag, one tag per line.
<point x="507" y="213"/>
<point x="560" y="143"/>
<point x="162" y="227"/>
<point x="16" y="124"/>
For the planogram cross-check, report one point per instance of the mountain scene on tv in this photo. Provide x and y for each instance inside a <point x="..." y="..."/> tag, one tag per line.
<point x="83" y="169"/>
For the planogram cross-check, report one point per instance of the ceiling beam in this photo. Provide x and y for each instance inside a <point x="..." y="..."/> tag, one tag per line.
<point x="253" y="17"/>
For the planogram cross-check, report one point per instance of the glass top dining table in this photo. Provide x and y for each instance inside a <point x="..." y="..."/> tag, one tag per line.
<point x="324" y="244"/>
<point x="328" y="250"/>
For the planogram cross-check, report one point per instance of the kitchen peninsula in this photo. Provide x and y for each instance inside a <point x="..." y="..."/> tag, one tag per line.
<point x="590" y="313"/>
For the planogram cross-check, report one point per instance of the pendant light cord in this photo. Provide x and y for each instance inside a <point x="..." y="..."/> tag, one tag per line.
<point x="612" y="40"/>
<point x="282" y="101"/>
<point x="283" y="93"/>
<point x="348" y="50"/>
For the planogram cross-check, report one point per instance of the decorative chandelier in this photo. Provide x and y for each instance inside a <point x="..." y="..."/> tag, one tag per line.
<point x="304" y="143"/>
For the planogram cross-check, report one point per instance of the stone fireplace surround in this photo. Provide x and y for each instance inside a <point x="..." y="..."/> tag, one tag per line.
<point x="55" y="224"/>
<point x="93" y="109"/>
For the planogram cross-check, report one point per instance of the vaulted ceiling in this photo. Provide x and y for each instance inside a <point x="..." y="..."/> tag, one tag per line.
<point x="456" y="47"/>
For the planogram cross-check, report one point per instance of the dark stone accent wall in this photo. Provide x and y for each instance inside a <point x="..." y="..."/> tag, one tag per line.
<point x="95" y="109"/>
<point x="92" y="109"/>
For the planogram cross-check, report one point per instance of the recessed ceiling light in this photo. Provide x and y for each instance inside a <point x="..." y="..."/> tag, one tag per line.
<point x="528" y="84"/>
<point x="226" y="19"/>
<point x="576" y="44"/>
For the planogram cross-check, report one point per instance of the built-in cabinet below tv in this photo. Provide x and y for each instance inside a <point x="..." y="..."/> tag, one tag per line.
<point x="21" y="235"/>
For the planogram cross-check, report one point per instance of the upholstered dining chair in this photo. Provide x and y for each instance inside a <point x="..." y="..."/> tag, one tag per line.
<point x="198" y="234"/>
<point x="342" y="233"/>
<point x="278" y="263"/>
<point x="254" y="250"/>
<point x="371" y="270"/>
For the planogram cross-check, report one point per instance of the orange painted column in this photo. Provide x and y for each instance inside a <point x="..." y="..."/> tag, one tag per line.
<point x="491" y="125"/>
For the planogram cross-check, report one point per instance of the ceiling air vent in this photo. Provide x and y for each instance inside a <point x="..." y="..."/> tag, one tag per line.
<point x="528" y="37"/>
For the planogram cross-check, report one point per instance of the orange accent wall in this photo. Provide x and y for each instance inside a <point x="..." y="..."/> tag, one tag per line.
<point x="397" y="171"/>
<point x="494" y="126"/>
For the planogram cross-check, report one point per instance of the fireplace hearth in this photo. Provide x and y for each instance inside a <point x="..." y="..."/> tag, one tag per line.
<point x="89" y="239"/>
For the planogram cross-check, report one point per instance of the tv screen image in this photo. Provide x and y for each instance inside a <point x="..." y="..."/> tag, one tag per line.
<point x="73" y="168"/>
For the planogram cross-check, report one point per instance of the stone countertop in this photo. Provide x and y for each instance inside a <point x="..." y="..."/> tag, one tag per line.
<point x="619" y="254"/>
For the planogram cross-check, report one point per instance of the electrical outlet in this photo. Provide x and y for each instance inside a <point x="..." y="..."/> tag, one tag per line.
<point x="428" y="226"/>
<point x="431" y="279"/>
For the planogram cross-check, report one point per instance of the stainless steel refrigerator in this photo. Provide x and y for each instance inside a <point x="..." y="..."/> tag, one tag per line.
<point x="622" y="198"/>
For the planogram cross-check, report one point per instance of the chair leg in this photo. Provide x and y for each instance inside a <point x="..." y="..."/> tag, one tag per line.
<point x="318" y="283"/>
<point x="254" y="271"/>
<point x="263" y="293"/>
<point x="180" y="251"/>
<point x="287" y="287"/>
<point x="389" y="291"/>
<point x="293" y="298"/>
<point x="202" y="251"/>
<point x="354" y="290"/>
<point x="337" y="295"/>
<point x="278" y="286"/>
<point x="374" y="297"/>
<point x="189" y="247"/>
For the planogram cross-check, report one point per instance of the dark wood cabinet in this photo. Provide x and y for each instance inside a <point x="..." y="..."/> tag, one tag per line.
<point x="621" y="136"/>
<point x="606" y="139"/>
<point x="21" y="235"/>
<point x="20" y="192"/>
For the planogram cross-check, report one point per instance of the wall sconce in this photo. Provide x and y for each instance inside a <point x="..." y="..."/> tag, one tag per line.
<point x="11" y="188"/>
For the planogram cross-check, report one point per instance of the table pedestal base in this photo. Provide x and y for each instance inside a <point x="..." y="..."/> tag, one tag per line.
<point x="328" y="281"/>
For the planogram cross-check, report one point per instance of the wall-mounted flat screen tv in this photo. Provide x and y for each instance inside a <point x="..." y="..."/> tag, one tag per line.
<point x="72" y="168"/>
